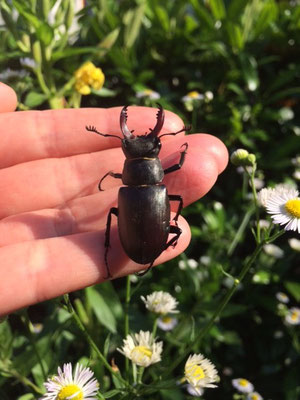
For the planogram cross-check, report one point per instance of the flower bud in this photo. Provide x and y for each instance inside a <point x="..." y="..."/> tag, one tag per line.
<point x="239" y="157"/>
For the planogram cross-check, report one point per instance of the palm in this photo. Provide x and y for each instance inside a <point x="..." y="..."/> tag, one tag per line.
<point x="53" y="217"/>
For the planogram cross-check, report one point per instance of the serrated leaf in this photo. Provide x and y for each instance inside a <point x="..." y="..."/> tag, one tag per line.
<point x="101" y="309"/>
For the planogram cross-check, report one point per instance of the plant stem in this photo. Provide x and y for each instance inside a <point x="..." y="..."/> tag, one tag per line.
<point x="32" y="339"/>
<point x="91" y="342"/>
<point x="126" y="319"/>
<point x="221" y="306"/>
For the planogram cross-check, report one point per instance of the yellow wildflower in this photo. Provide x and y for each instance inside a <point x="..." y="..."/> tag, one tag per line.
<point x="88" y="77"/>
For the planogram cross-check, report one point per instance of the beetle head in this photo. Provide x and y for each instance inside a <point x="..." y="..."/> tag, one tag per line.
<point x="147" y="145"/>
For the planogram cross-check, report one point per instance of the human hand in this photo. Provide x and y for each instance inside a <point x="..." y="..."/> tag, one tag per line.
<point x="52" y="216"/>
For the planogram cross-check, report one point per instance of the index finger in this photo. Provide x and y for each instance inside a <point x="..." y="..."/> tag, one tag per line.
<point x="34" y="135"/>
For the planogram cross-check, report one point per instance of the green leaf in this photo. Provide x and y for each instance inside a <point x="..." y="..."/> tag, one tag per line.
<point x="133" y="20"/>
<point x="34" y="99"/>
<point x="203" y="15"/>
<point x="293" y="288"/>
<point x="27" y="396"/>
<point x="110" y="39"/>
<point x="111" y="393"/>
<point x="45" y="33"/>
<point x="235" y="36"/>
<point x="249" y="68"/>
<point x="26" y="12"/>
<point x="104" y="92"/>
<point x="217" y="8"/>
<point x="73" y="51"/>
<point x="163" y="17"/>
<point x="101" y="309"/>
<point x="235" y="9"/>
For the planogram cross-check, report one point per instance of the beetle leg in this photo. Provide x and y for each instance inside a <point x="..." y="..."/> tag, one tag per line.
<point x="142" y="273"/>
<point x="173" y="242"/>
<point x="175" y="167"/>
<point x="110" y="173"/>
<point x="176" y="197"/>
<point x="114" y="211"/>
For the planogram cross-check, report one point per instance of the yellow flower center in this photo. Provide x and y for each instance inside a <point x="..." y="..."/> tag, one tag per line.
<point x="254" y="397"/>
<point x="293" y="207"/>
<point x="148" y="92"/>
<point x="139" y="352"/>
<point x="195" y="371"/>
<point x="243" y="382"/>
<point x="166" y="319"/>
<point x="193" y="95"/>
<point x="70" y="392"/>
<point x="294" y="315"/>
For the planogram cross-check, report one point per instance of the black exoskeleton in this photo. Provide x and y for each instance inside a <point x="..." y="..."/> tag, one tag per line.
<point x="143" y="204"/>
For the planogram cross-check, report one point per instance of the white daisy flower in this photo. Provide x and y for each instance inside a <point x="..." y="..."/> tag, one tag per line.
<point x="208" y="95"/>
<point x="141" y="349"/>
<point x="166" y="323"/>
<point x="264" y="224"/>
<point x="296" y="174"/>
<point x="149" y="93"/>
<point x="191" y="263"/>
<point x="194" y="391"/>
<point x="37" y="328"/>
<point x="160" y="303"/>
<point x="200" y="372"/>
<point x="294" y="244"/>
<point x="242" y="385"/>
<point x="296" y="161"/>
<point x="205" y="260"/>
<point x="282" y="297"/>
<point x="65" y="386"/>
<point x="254" y="396"/>
<point x="273" y="250"/>
<point x="293" y="316"/>
<point x="192" y="96"/>
<point x="263" y="196"/>
<point x="284" y="207"/>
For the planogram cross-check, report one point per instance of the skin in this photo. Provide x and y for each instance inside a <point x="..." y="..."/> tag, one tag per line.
<point x="52" y="216"/>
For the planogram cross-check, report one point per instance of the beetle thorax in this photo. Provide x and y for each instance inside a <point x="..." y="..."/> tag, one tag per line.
<point x="141" y="146"/>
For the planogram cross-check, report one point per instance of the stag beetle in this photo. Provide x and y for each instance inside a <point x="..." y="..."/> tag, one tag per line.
<point x="143" y="204"/>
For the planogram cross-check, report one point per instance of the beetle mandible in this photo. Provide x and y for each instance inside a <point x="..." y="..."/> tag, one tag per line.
<point x="143" y="204"/>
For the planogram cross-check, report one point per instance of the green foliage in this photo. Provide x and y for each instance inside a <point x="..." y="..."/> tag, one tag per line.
<point x="246" y="53"/>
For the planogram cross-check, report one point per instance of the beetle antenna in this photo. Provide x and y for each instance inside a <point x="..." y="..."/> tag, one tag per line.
<point x="160" y="116"/>
<point x="124" y="128"/>
<point x="93" y="129"/>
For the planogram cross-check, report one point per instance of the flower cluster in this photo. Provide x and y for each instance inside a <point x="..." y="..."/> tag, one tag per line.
<point x="246" y="387"/>
<point x="88" y="77"/>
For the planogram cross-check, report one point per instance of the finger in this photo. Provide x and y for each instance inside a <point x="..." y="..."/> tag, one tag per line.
<point x="35" y="135"/>
<point x="48" y="268"/>
<point x="8" y="99"/>
<point x="51" y="183"/>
